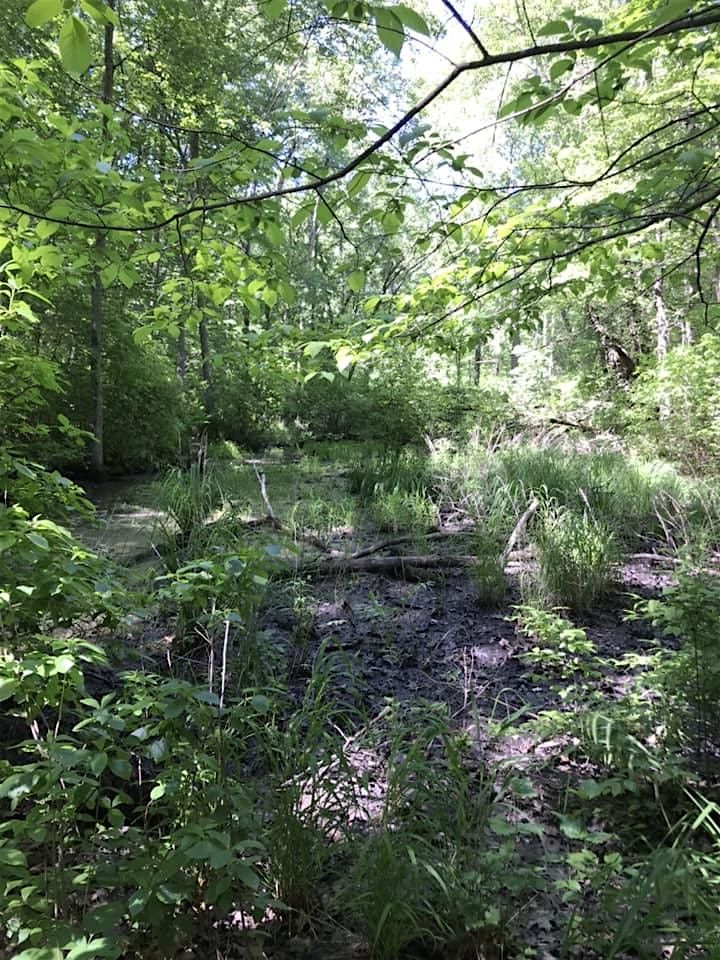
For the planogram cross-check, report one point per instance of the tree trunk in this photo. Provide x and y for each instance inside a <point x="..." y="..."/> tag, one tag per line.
<point x="662" y="325"/>
<point x="97" y="296"/>
<point x="204" y="338"/>
<point x="206" y="368"/>
<point x="612" y="354"/>
<point x="97" y="413"/>
<point x="477" y="363"/>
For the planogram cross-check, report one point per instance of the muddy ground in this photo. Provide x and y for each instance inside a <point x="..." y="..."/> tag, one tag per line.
<point x="429" y="639"/>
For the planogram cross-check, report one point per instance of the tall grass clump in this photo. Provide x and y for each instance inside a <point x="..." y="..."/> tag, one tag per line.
<point x="188" y="499"/>
<point x="576" y="555"/>
<point x="395" y="470"/>
<point x="495" y="518"/>
<point x="637" y="500"/>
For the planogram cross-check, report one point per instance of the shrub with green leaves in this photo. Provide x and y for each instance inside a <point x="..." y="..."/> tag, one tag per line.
<point x="676" y="405"/>
<point x="47" y="578"/>
<point x="127" y="794"/>
<point x="558" y="643"/>
<point x="690" y="612"/>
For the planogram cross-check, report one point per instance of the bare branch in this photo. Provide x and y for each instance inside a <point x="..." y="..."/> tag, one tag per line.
<point x="467" y="28"/>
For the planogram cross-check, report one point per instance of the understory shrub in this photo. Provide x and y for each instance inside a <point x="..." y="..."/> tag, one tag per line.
<point x="690" y="681"/>
<point x="125" y="793"/>
<point x="676" y="405"/>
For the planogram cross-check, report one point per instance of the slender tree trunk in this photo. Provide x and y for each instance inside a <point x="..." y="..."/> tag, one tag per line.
<point x="477" y="363"/>
<point x="686" y="330"/>
<point x="97" y="413"/>
<point x="662" y="324"/>
<point x="97" y="295"/>
<point x="514" y="342"/>
<point x="203" y="335"/>
<point x="206" y="368"/>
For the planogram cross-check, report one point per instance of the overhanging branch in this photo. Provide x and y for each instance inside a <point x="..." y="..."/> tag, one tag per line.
<point x="706" y="17"/>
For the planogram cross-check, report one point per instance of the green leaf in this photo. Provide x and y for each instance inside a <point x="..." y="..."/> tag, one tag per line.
<point x="157" y="791"/>
<point x="358" y="182"/>
<point x="104" y="917"/>
<point x="64" y="663"/>
<point x="121" y="767"/>
<point x="12" y="857"/>
<point x="344" y="358"/>
<point x="274" y="8"/>
<point x="74" y="45"/>
<point x="202" y="850"/>
<point x="7" y="688"/>
<point x="560" y="67"/>
<point x="39" y="953"/>
<point x="100" y="12"/>
<point x="356" y="281"/>
<point x="315" y="347"/>
<point x="389" y="30"/>
<point x="409" y="18"/>
<point x="302" y="214"/>
<point x="41" y="11"/>
<point x="554" y="27"/>
<point x="38" y="540"/>
<point x="273" y="233"/>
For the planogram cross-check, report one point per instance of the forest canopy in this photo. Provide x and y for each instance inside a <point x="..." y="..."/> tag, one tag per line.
<point x="286" y="191"/>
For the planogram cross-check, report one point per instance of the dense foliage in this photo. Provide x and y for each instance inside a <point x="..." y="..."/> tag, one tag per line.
<point x="454" y="273"/>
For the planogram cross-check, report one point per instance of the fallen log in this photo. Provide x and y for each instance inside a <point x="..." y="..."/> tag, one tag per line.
<point x="406" y="566"/>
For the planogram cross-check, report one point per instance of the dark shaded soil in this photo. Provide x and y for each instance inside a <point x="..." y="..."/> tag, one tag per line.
<point x="429" y="640"/>
<point x="434" y="641"/>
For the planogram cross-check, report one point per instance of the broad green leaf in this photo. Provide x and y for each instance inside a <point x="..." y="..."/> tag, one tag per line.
<point x="39" y="953"/>
<point x="74" y="45"/>
<point x="356" y="281"/>
<point x="344" y="358"/>
<point x="410" y="18"/>
<point x="302" y="214"/>
<point x="358" y="182"/>
<point x="273" y="233"/>
<point x="104" y="917"/>
<point x="389" y="29"/>
<point x="560" y="67"/>
<point x="157" y="791"/>
<point x="100" y="12"/>
<point x="46" y="229"/>
<point x="7" y="688"/>
<point x="202" y="850"/>
<point x="554" y="27"/>
<point x="64" y="663"/>
<point x="315" y="347"/>
<point x="274" y="8"/>
<point x="41" y="11"/>
<point x="38" y="540"/>
<point x="109" y="274"/>
<point x="121" y="767"/>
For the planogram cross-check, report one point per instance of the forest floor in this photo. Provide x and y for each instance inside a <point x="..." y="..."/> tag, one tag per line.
<point x="426" y="639"/>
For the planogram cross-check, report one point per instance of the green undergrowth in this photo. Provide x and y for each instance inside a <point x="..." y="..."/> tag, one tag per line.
<point x="146" y="800"/>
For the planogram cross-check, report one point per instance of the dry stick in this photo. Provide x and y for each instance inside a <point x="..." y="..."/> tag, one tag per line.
<point x="519" y="529"/>
<point x="407" y="538"/>
<point x="269" y="512"/>
<point x="223" y="674"/>
<point x="271" y="518"/>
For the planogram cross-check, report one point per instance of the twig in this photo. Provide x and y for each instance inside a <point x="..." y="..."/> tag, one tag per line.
<point x="519" y="529"/>
<point x="269" y="512"/>
<point x="407" y="538"/>
<point x="223" y="674"/>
